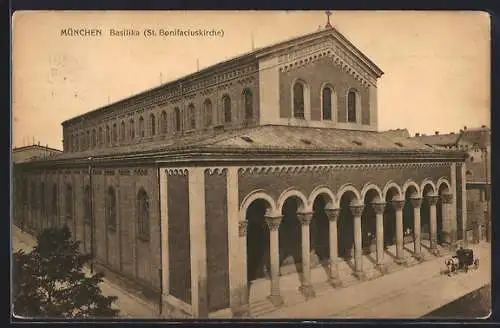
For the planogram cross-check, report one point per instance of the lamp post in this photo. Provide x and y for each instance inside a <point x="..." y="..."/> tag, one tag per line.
<point x="91" y="214"/>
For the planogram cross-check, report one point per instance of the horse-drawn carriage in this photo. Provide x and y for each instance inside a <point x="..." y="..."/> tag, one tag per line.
<point x="463" y="260"/>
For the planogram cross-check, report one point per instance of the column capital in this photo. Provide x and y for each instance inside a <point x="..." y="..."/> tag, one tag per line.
<point x="332" y="213"/>
<point x="305" y="218"/>
<point x="242" y="228"/>
<point x="378" y="207"/>
<point x="416" y="202"/>
<point x="357" y="209"/>
<point x="432" y="199"/>
<point x="398" y="204"/>
<point x="447" y="198"/>
<point x="273" y="222"/>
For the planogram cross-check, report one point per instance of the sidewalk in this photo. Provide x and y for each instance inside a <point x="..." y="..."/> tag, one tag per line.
<point x="130" y="306"/>
<point x="408" y="293"/>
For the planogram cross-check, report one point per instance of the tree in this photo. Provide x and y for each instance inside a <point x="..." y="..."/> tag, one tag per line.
<point x="49" y="281"/>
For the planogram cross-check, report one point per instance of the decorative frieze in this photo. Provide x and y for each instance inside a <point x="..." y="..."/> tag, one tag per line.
<point x="124" y="172"/>
<point x="109" y="172"/>
<point x="141" y="172"/>
<point x="216" y="171"/>
<point x="299" y="169"/>
<point x="177" y="172"/>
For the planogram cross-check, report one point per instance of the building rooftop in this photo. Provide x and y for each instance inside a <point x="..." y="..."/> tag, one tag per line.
<point x="269" y="138"/>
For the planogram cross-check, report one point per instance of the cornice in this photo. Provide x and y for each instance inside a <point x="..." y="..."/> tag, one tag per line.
<point x="299" y="169"/>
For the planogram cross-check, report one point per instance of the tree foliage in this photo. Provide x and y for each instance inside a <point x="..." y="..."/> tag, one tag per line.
<point x="50" y="281"/>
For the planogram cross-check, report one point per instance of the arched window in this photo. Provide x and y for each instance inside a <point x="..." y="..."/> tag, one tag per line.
<point x="86" y="204"/>
<point x="207" y="113"/>
<point x="226" y="108"/>
<point x="108" y="135"/>
<point x="100" y="139"/>
<point x="298" y="100"/>
<point x="115" y="133"/>
<point x="94" y="138"/>
<point x="152" y="124"/>
<point x="132" y="129"/>
<point x="69" y="202"/>
<point x="352" y="105"/>
<point x="142" y="215"/>
<point x="110" y="204"/>
<point x="248" y="103"/>
<point x="53" y="208"/>
<point x="141" y="127"/>
<point x="42" y="199"/>
<point x="191" y="116"/>
<point x="122" y="131"/>
<point x="327" y="105"/>
<point x="164" y="122"/>
<point x="177" y="119"/>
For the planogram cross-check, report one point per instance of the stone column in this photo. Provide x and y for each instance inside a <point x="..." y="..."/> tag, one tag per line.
<point x="449" y="227"/>
<point x="241" y="308"/>
<point x="333" y="215"/>
<point x="432" y="201"/>
<point x="357" y="210"/>
<point x="274" y="257"/>
<point x="398" y="206"/>
<point x="379" y="208"/>
<point x="417" y="248"/>
<point x="306" y="288"/>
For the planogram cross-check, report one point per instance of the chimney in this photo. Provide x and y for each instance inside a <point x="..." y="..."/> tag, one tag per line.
<point x="437" y="132"/>
<point x="38" y="143"/>
<point x="465" y="127"/>
<point x="417" y="134"/>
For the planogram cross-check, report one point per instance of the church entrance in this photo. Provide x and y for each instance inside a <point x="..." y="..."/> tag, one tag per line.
<point x="257" y="241"/>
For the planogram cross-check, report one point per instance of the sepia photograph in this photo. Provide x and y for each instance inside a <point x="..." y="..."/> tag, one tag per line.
<point x="240" y="165"/>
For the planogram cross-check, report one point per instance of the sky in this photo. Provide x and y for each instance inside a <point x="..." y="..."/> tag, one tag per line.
<point x="436" y="64"/>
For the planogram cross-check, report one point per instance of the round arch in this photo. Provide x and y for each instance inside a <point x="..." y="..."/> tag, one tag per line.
<point x="306" y="94"/>
<point x="411" y="183"/>
<point x="392" y="185"/>
<point x="371" y="186"/>
<point x="333" y="101"/>
<point x="323" y="190"/>
<point x="251" y="197"/>
<point x="425" y="183"/>
<point x="291" y="192"/>
<point x="347" y="187"/>
<point x="441" y="181"/>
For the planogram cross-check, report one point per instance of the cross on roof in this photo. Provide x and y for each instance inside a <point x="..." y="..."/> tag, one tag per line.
<point x="328" y="14"/>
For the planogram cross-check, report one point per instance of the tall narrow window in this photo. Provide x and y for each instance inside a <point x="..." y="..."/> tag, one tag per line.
<point x="248" y="103"/>
<point x="53" y="208"/>
<point x="108" y="135"/>
<point x="141" y="127"/>
<point x="122" y="131"/>
<point x="115" y="133"/>
<point x="94" y="138"/>
<point x="298" y="100"/>
<point x="352" y="104"/>
<point x="33" y="200"/>
<point x="177" y="119"/>
<point x="191" y="116"/>
<point x="152" y="124"/>
<point x="226" y="107"/>
<point x="75" y="142"/>
<point x="100" y="139"/>
<point x="142" y="215"/>
<point x="69" y="202"/>
<point x="24" y="192"/>
<point x="86" y="204"/>
<point x="42" y="199"/>
<point x="132" y="129"/>
<point x="163" y="122"/>
<point x="207" y="113"/>
<point x="327" y="103"/>
<point x="88" y="141"/>
<point x="110" y="205"/>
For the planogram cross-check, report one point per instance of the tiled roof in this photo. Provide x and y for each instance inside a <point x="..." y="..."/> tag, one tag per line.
<point x="268" y="138"/>
<point x="439" y="139"/>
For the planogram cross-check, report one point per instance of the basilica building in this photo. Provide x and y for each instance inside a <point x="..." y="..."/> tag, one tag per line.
<point x="249" y="184"/>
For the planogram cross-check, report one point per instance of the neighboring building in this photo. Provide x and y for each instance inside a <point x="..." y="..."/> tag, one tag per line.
<point x="189" y="183"/>
<point x="33" y="152"/>
<point x="477" y="143"/>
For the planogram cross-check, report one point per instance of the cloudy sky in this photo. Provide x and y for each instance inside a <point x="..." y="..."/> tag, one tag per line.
<point x="436" y="64"/>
